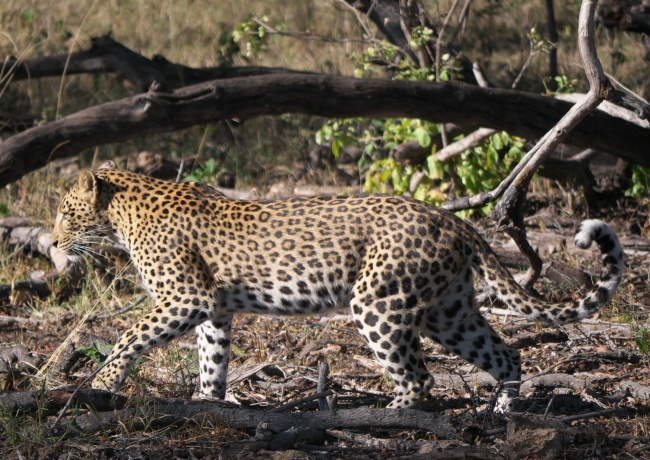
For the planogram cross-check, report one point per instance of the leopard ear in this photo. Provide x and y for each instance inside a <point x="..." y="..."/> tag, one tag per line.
<point x="87" y="187"/>
<point x="110" y="164"/>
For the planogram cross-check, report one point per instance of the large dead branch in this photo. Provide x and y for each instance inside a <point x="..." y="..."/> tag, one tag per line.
<point x="522" y="114"/>
<point x="240" y="418"/>
<point x="105" y="55"/>
<point x="600" y="89"/>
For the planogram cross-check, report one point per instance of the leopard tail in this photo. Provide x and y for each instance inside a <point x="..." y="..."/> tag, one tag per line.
<point x="504" y="287"/>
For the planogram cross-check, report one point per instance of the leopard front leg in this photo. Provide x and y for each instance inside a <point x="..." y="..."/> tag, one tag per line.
<point x="162" y="325"/>
<point x="214" y="354"/>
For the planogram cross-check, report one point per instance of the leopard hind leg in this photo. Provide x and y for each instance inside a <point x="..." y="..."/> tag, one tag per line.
<point x="459" y="327"/>
<point x="392" y="334"/>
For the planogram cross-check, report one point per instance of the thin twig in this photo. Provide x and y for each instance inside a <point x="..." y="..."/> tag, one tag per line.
<point x="570" y="418"/>
<point x="8" y="320"/>
<point x="524" y="67"/>
<point x="16" y="251"/>
<point x="461" y="19"/>
<point x="441" y="33"/>
<point x="180" y="171"/>
<point x="363" y="22"/>
<point x="321" y="387"/>
<point x="298" y="402"/>
<point x="302" y="35"/>
<point x="120" y="311"/>
<point x="471" y="140"/>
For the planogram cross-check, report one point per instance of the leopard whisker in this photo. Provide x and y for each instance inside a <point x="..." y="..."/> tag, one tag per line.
<point x="84" y="250"/>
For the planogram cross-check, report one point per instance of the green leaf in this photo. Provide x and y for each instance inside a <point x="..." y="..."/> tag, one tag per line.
<point x="496" y="142"/>
<point x="237" y="351"/>
<point x="492" y="157"/>
<point x="422" y="136"/>
<point x="515" y="153"/>
<point x="210" y="167"/>
<point x="336" y="147"/>
<point x="435" y="168"/>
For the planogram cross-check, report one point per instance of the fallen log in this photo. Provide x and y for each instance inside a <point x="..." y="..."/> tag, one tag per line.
<point x="239" y="418"/>
<point x="521" y="114"/>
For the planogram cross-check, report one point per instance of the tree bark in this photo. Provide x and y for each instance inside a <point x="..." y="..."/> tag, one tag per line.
<point x="240" y="418"/>
<point x="105" y="55"/>
<point x="553" y="38"/>
<point x="521" y="114"/>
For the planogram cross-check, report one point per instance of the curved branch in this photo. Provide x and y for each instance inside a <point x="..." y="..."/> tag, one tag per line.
<point x="107" y="55"/>
<point x="509" y="211"/>
<point x="521" y="114"/>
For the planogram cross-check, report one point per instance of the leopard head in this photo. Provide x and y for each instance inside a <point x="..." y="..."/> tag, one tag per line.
<point x="82" y="217"/>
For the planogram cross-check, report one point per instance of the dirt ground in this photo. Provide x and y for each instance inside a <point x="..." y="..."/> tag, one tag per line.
<point x="584" y="394"/>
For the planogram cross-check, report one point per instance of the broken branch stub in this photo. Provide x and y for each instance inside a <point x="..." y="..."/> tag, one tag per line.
<point x="509" y="211"/>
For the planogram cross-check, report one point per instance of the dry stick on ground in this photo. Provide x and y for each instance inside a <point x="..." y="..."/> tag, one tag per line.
<point x="241" y="418"/>
<point x="301" y="401"/>
<point x="568" y="419"/>
<point x="404" y="445"/>
<point x="323" y="379"/>
<point x="100" y="401"/>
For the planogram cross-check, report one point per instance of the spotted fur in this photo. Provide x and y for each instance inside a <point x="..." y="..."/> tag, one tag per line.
<point x="405" y="269"/>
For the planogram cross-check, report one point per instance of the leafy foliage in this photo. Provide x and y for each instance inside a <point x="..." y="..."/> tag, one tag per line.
<point x="479" y="169"/>
<point x="247" y="40"/>
<point x="206" y="173"/>
<point x="252" y="35"/>
<point x="96" y="352"/>
<point x="642" y="338"/>
<point x="640" y="181"/>
<point x="563" y="85"/>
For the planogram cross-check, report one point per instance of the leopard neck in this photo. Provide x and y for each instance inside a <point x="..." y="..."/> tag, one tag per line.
<point x="129" y="202"/>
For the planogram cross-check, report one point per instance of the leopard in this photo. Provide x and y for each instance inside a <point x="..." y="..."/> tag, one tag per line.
<point x="404" y="268"/>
